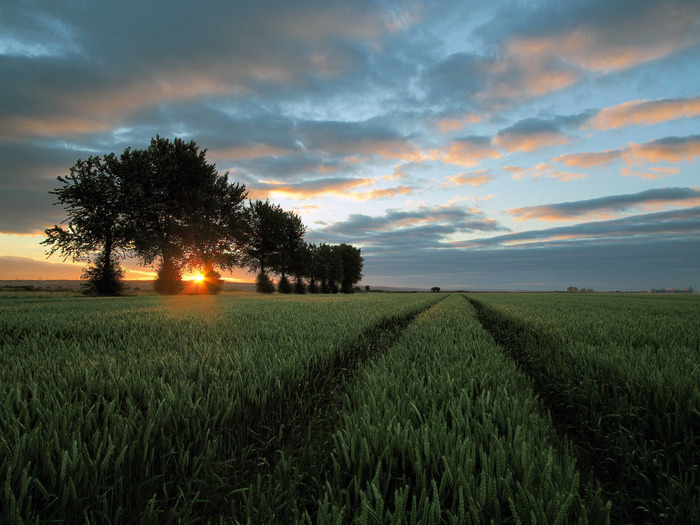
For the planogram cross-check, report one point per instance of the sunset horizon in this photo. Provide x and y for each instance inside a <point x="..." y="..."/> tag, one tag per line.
<point x="466" y="146"/>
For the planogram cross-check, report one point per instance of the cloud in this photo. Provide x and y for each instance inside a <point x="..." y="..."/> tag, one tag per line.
<point x="470" y="151"/>
<point x="529" y="135"/>
<point x="604" y="207"/>
<point x="26" y="268"/>
<point x="547" y="48"/>
<point x="380" y="193"/>
<point x="685" y="222"/>
<point x="338" y="186"/>
<point x="645" y="112"/>
<point x="448" y="124"/>
<point x="609" y="41"/>
<point x="650" y="172"/>
<point x="668" y="149"/>
<point x="589" y="160"/>
<point x="626" y="264"/>
<point x="472" y="178"/>
<point x="426" y="226"/>
<point x="543" y="170"/>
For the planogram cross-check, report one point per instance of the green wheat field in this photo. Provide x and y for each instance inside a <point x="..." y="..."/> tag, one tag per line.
<point x="370" y="408"/>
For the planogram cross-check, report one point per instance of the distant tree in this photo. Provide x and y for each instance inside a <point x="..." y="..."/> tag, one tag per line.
<point x="264" y="235"/>
<point x="291" y="240"/>
<point x="212" y="283"/>
<point x="103" y="277"/>
<point x="352" y="263"/>
<point x="328" y="267"/>
<point x="314" y="270"/>
<point x="301" y="265"/>
<point x="435" y="289"/>
<point x="299" y="286"/>
<point x="169" y="278"/>
<point x="284" y="286"/>
<point x="367" y="287"/>
<point x="263" y="283"/>
<point x="92" y="197"/>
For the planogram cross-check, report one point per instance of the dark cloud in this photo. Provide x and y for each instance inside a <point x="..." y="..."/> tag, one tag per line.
<point x="456" y="79"/>
<point x="620" y="265"/>
<point x="425" y="227"/>
<point x="684" y="223"/>
<point x="530" y="134"/>
<point x="607" y="205"/>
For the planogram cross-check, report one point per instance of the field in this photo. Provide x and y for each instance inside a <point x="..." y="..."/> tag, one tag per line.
<point x="370" y="408"/>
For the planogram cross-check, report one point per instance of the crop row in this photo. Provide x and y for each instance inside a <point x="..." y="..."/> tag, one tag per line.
<point x="443" y="428"/>
<point x="144" y="409"/>
<point x="621" y="378"/>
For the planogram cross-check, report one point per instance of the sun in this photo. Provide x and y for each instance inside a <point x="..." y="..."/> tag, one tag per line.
<point x="199" y="277"/>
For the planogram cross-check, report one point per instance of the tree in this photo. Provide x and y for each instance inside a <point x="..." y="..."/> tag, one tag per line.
<point x="301" y="266"/>
<point x="263" y="283"/>
<point x="185" y="213"/>
<point x="93" y="199"/>
<point x="212" y="283"/>
<point x="264" y="232"/>
<point x="284" y="286"/>
<point x="290" y="241"/>
<point x="103" y="277"/>
<point x="314" y="270"/>
<point x="435" y="289"/>
<point x="169" y="279"/>
<point x="328" y="267"/>
<point x="352" y="263"/>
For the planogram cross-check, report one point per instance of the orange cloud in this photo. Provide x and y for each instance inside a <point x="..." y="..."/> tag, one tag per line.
<point x="469" y="153"/>
<point x="543" y="170"/>
<point x="530" y="141"/>
<point x="312" y="189"/>
<point x="339" y="188"/>
<point x="608" y="207"/>
<point x="379" y="193"/>
<point x="588" y="160"/>
<point x="652" y="172"/>
<point x="646" y="112"/>
<point x="669" y="149"/>
<point x="518" y="74"/>
<point x="12" y="127"/>
<point x="616" y="46"/>
<point x="445" y="125"/>
<point x="566" y="176"/>
<point x="474" y="178"/>
<point x="172" y="87"/>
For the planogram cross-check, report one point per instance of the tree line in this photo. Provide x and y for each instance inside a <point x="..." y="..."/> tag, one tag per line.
<point x="167" y="204"/>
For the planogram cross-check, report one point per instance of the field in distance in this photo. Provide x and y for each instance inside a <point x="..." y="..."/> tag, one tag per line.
<point x="385" y="408"/>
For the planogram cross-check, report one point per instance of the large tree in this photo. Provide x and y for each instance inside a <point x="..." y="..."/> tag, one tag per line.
<point x="97" y="226"/>
<point x="187" y="214"/>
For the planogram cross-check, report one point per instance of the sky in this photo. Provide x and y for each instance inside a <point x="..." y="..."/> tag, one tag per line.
<point x="525" y="145"/>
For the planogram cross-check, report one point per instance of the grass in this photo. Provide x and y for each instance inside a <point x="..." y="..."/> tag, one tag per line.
<point x="404" y="408"/>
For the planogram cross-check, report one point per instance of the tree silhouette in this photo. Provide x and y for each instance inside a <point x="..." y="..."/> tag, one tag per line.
<point x="263" y="235"/>
<point x="352" y="263"/>
<point x="290" y="241"/>
<point x="186" y="213"/>
<point x="96" y="221"/>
